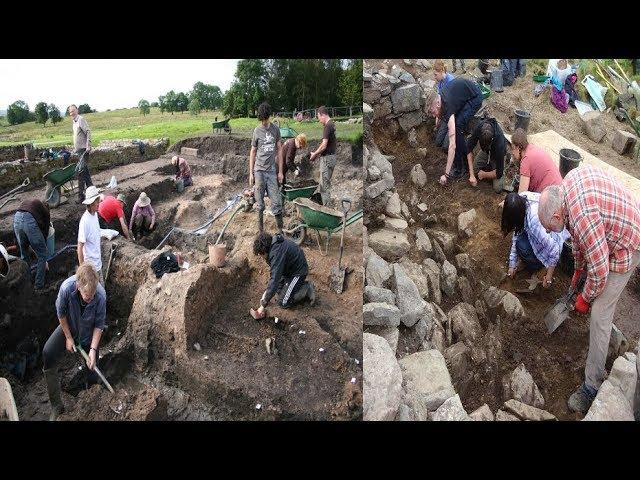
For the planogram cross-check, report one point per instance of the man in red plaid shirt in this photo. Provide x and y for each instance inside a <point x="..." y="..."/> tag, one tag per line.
<point x="603" y="218"/>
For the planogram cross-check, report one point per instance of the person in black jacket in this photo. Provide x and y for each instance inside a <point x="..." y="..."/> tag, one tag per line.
<point x="289" y="270"/>
<point x="490" y="161"/>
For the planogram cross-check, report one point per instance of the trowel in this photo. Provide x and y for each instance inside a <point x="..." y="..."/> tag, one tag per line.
<point x="560" y="310"/>
<point x="336" y="279"/>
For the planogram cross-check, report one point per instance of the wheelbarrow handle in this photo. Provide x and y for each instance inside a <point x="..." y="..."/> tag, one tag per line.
<point x="346" y="205"/>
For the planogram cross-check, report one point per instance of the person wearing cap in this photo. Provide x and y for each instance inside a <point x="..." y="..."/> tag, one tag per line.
<point x="4" y="261"/>
<point x="89" y="232"/>
<point x="183" y="173"/>
<point x="289" y="151"/>
<point x="143" y="217"/>
<point x="31" y="227"/>
<point x="110" y="210"/>
<point x="81" y="307"/>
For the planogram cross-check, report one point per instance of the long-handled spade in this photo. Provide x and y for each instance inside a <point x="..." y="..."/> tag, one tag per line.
<point x="336" y="280"/>
<point x="95" y="368"/>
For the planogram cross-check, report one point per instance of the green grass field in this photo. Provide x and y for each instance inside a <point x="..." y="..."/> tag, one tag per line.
<point x="130" y="124"/>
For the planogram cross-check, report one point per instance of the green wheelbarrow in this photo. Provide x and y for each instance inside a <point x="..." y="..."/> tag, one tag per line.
<point x="317" y="217"/>
<point x="290" y="192"/>
<point x="57" y="180"/>
<point x="221" y="126"/>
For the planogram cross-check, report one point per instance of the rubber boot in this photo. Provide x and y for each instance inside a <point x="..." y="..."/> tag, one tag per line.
<point x="306" y="291"/>
<point x="53" y="389"/>
<point x="261" y="221"/>
<point x="279" y="223"/>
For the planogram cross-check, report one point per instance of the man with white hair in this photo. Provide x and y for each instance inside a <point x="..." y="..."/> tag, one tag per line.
<point x="81" y="307"/>
<point x="458" y="101"/>
<point x="603" y="218"/>
<point x="89" y="232"/>
<point x="82" y="147"/>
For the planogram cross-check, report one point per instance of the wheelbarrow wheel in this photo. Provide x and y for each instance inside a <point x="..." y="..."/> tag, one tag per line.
<point x="52" y="196"/>
<point x="299" y="235"/>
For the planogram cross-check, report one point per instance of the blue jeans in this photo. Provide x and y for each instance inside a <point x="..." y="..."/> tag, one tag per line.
<point x="525" y="252"/>
<point x="28" y="233"/>
<point x="267" y="182"/>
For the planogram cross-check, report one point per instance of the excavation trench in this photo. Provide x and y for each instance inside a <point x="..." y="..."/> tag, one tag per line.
<point x="555" y="361"/>
<point x="148" y="351"/>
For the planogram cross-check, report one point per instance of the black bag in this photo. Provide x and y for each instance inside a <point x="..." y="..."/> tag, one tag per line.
<point x="166" y="262"/>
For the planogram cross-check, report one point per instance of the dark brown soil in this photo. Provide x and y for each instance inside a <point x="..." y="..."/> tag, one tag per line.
<point x="556" y="361"/>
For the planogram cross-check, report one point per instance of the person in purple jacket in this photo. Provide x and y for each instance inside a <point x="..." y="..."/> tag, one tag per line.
<point x="143" y="217"/>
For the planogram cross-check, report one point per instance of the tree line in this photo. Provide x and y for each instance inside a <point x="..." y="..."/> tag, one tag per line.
<point x="201" y="97"/>
<point x="18" y="112"/>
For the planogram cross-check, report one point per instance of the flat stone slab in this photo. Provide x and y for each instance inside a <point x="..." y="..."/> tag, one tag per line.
<point x="189" y="151"/>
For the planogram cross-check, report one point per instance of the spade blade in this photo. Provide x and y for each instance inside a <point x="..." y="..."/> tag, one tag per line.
<point x="556" y="316"/>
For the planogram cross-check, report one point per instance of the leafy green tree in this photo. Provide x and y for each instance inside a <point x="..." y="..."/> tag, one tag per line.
<point x="54" y="114"/>
<point x="162" y="103"/>
<point x="182" y="102"/>
<point x="144" y="107"/>
<point x="209" y="96"/>
<point x="194" y="106"/>
<point x="154" y="105"/>
<point x="42" y="114"/>
<point x="171" y="102"/>
<point x="85" y="108"/>
<point x="350" y="84"/>
<point x="18" y="112"/>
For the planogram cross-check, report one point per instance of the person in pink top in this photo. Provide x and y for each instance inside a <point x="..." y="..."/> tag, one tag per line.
<point x="537" y="168"/>
<point x="143" y="217"/>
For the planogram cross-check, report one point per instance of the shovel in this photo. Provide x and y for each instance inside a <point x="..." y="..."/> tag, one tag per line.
<point x="560" y="310"/>
<point x="336" y="280"/>
<point x="95" y="368"/>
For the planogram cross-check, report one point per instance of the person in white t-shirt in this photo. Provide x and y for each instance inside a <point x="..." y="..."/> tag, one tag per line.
<point x="89" y="232"/>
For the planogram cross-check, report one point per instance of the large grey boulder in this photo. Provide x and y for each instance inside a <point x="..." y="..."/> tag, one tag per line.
<point x="464" y="289"/>
<point x="624" y="375"/>
<point x="406" y="98"/>
<point x="378" y="271"/>
<point x="464" y="323"/>
<point x="520" y="386"/>
<point x="506" y="304"/>
<point x="425" y="379"/>
<point x="466" y="221"/>
<point x="418" y="177"/>
<point x="395" y="224"/>
<point x="432" y="273"/>
<point x="408" y="297"/>
<point x="389" y="244"/>
<point x="423" y="244"/>
<point x="610" y="404"/>
<point x="451" y="410"/>
<point x="410" y="120"/>
<point x="594" y="125"/>
<point x="449" y="278"/>
<point x="482" y="414"/>
<point x="618" y="343"/>
<point x="376" y="189"/>
<point x="416" y="274"/>
<point x="446" y="240"/>
<point x="503" y="416"/>
<point x="382" y="379"/>
<point x="380" y="161"/>
<point x="394" y="206"/>
<point x="381" y="314"/>
<point x="527" y="412"/>
<point x="390" y="334"/>
<point x="458" y="357"/>
<point x="379" y="295"/>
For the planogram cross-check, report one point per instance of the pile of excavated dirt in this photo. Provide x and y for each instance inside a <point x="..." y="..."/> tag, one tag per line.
<point x="184" y="347"/>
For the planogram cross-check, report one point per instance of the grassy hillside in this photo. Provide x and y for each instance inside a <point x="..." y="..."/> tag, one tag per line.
<point x="130" y="124"/>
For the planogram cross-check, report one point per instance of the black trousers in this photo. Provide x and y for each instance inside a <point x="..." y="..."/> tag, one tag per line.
<point x="84" y="176"/>
<point x="54" y="348"/>
<point x="289" y="292"/>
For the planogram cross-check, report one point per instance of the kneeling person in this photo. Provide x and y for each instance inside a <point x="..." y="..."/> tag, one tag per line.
<point x="288" y="271"/>
<point x="143" y="217"/>
<point x="110" y="210"/>
<point x="81" y="307"/>
<point x="489" y="163"/>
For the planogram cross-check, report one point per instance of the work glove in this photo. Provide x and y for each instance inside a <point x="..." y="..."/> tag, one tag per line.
<point x="576" y="277"/>
<point x="581" y="305"/>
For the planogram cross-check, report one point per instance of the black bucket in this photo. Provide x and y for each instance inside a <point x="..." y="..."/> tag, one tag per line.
<point x="522" y="120"/>
<point x="496" y="80"/>
<point x="569" y="159"/>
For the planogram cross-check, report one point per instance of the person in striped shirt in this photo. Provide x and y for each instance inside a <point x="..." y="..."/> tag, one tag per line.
<point x="603" y="218"/>
<point x="532" y="248"/>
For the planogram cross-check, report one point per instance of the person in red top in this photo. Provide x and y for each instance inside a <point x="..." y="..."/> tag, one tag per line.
<point x="537" y="168"/>
<point x="603" y="218"/>
<point x="110" y="210"/>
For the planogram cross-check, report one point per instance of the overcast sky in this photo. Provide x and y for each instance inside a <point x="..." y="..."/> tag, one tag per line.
<point x="105" y="84"/>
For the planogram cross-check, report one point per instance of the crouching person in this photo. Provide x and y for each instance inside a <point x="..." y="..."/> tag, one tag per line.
<point x="289" y="270"/>
<point x="81" y="310"/>
<point x="183" y="173"/>
<point x="143" y="217"/>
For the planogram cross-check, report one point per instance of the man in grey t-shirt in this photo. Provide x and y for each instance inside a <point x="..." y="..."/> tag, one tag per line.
<point x="82" y="147"/>
<point x="265" y="145"/>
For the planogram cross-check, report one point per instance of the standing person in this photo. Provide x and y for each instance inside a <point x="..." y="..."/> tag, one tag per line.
<point x="31" y="227"/>
<point x="81" y="307"/>
<point x="537" y="169"/>
<point x="289" y="151"/>
<point x="143" y="216"/>
<point x="489" y="163"/>
<point x="89" y="232"/>
<point x="82" y="147"/>
<point x="459" y="101"/>
<point x="183" y="173"/>
<point x="265" y="146"/>
<point x="603" y="218"/>
<point x="532" y="247"/>
<point x="327" y="150"/>
<point x="289" y="269"/>
<point x="110" y="210"/>
<point x="442" y="77"/>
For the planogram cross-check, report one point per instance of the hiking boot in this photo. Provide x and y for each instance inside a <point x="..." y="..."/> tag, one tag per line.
<point x="311" y="294"/>
<point x="581" y="399"/>
<point x="53" y="389"/>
